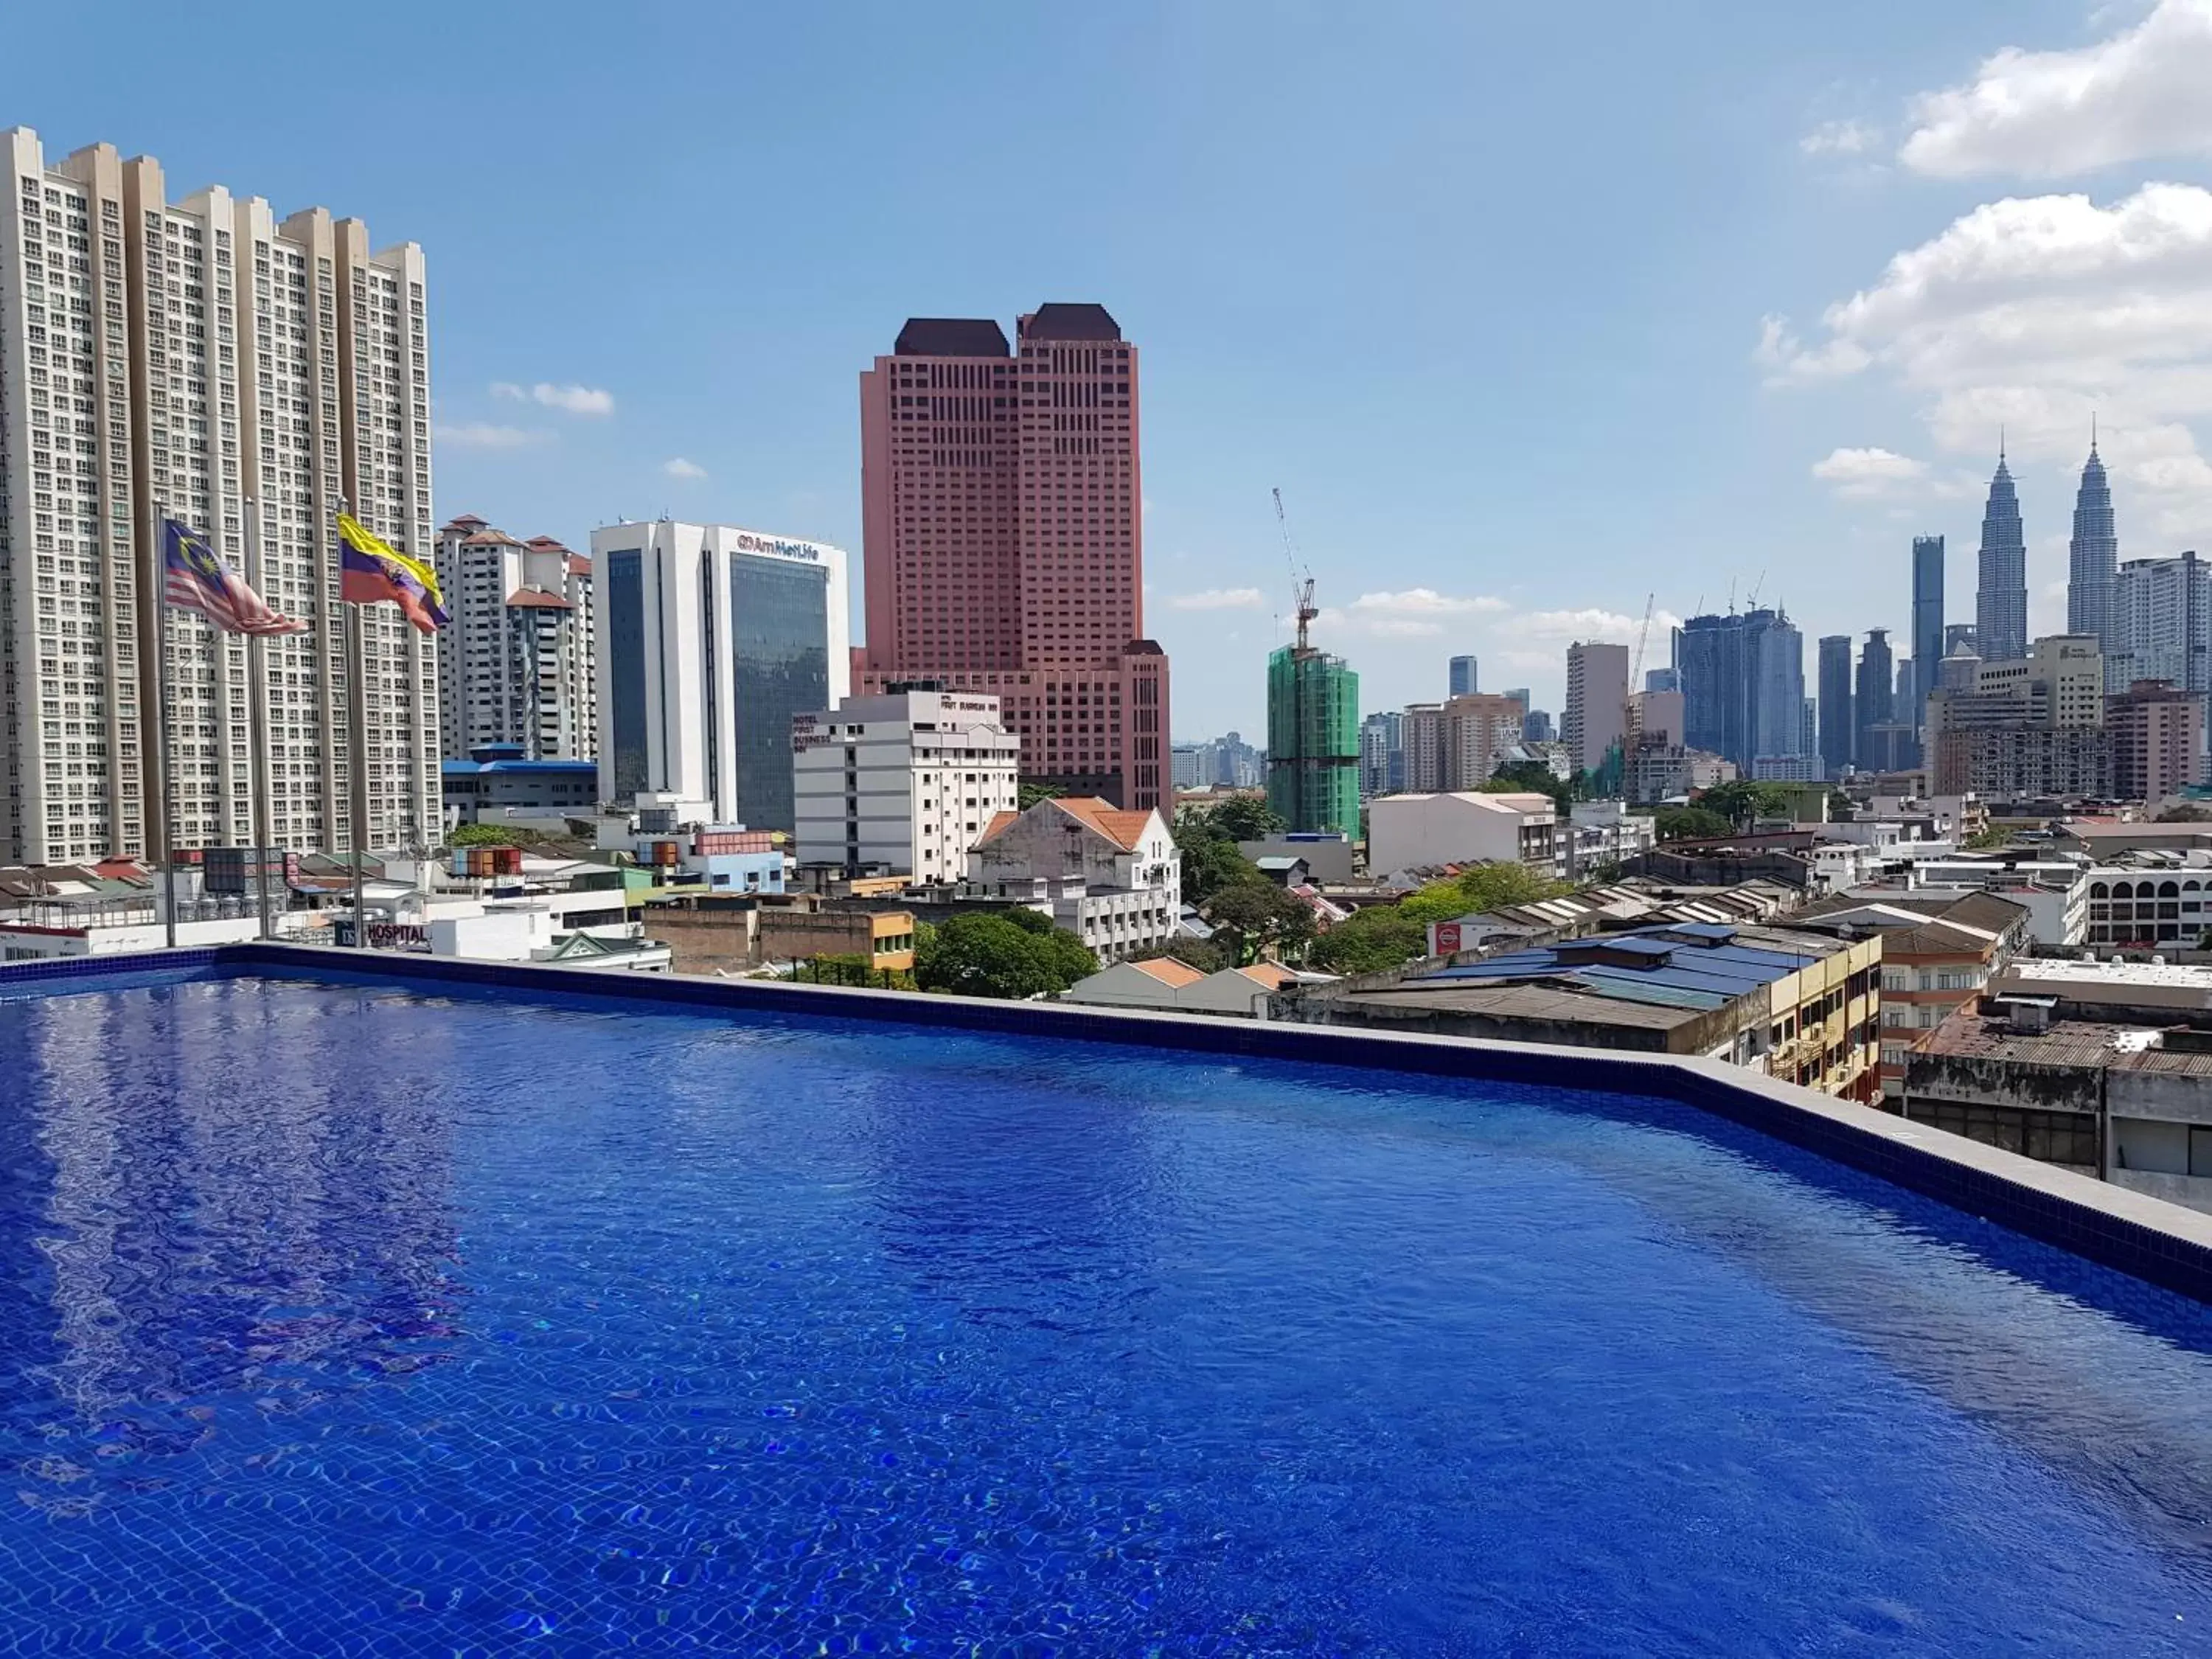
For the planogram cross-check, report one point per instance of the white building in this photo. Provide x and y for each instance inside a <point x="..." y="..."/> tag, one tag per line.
<point x="181" y="359"/>
<point x="2161" y="623"/>
<point x="1113" y="879"/>
<point x="1163" y="985"/>
<point x="902" y="784"/>
<point x="710" y="640"/>
<point x="1606" y="832"/>
<point x="1421" y="832"/>
<point x="516" y="662"/>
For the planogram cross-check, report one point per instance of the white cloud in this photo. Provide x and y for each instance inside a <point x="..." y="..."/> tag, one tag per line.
<point x="1839" y="138"/>
<point x="678" y="467"/>
<point x="2059" y="114"/>
<point x="1218" y="599"/>
<point x="484" y="434"/>
<point x="1593" y="624"/>
<point x="1866" y="472"/>
<point x="573" y="399"/>
<point x="1426" y="602"/>
<point x="2033" y="313"/>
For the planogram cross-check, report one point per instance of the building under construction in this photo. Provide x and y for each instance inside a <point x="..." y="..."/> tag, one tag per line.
<point x="1313" y="736"/>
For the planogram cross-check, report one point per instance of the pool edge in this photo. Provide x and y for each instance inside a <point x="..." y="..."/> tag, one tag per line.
<point x="2145" y="1237"/>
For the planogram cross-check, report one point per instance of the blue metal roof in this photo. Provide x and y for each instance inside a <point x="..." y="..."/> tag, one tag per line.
<point x="1680" y="974"/>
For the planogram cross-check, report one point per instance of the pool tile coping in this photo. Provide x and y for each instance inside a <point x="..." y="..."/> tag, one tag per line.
<point x="2148" y="1238"/>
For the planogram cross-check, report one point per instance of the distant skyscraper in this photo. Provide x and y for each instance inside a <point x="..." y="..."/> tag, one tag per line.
<point x="1538" y="727"/>
<point x="1661" y="679"/>
<point x="1808" y="729"/>
<point x="1000" y="512"/>
<point x="1927" y="647"/>
<point x="1900" y="707"/>
<point x="1838" y="741"/>
<point x="1597" y="701"/>
<point x="2001" y="598"/>
<point x="1873" y="698"/>
<point x="1742" y="679"/>
<point x="1518" y="694"/>
<point x="1382" y="754"/>
<point x="516" y="662"/>
<point x="2092" y="555"/>
<point x="1463" y="677"/>
<point x="1956" y="635"/>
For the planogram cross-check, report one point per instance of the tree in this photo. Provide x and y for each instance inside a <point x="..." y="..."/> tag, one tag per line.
<point x="2183" y="813"/>
<point x="1243" y="818"/>
<point x="1028" y="795"/>
<point x="1743" y="801"/>
<point x="1982" y="840"/>
<point x="1531" y="777"/>
<point x="1211" y="866"/>
<point x="1374" y="938"/>
<point x="1841" y="806"/>
<point x="1253" y="916"/>
<point x="1484" y="887"/>
<point x="479" y="835"/>
<point x="991" y="954"/>
<point x="1690" y="823"/>
<point x="1202" y="954"/>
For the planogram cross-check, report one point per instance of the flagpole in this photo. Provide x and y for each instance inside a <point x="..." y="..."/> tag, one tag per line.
<point x="357" y="685"/>
<point x="163" y="770"/>
<point x="256" y="691"/>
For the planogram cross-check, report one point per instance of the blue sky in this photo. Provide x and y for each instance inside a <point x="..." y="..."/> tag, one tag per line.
<point x="1528" y="311"/>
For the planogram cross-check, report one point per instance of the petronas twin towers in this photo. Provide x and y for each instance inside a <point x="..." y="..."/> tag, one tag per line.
<point x="2001" y="595"/>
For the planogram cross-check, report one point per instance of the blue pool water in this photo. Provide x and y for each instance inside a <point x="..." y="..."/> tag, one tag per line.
<point x="339" y="1320"/>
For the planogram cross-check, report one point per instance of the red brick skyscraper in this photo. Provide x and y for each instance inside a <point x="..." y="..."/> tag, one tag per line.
<point x="1003" y="540"/>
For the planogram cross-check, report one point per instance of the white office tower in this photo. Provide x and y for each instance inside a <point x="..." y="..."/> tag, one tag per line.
<point x="515" y="662"/>
<point x="711" y="641"/>
<point x="902" y="784"/>
<point x="160" y="358"/>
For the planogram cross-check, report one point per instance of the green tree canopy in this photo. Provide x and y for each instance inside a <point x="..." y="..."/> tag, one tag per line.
<point x="1028" y="795"/>
<point x="1374" y="937"/>
<point x="1202" y="954"/>
<point x="991" y="954"/>
<point x="480" y="835"/>
<point x="1740" y="801"/>
<point x="1250" y="916"/>
<point x="1209" y="864"/>
<point x="1485" y="887"/>
<point x="1689" y="824"/>
<point x="1243" y="818"/>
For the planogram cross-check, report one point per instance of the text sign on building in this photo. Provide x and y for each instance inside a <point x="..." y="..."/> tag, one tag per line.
<point x="746" y="541"/>
<point x="1443" y="938"/>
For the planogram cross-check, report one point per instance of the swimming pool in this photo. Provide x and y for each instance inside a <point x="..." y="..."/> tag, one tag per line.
<point x="357" y="1319"/>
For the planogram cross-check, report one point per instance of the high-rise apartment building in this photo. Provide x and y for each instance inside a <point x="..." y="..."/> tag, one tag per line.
<point x="183" y="359"/>
<point x="1595" y="718"/>
<point x="1743" y="684"/>
<point x="1464" y="677"/>
<point x="711" y="641"/>
<point x="1538" y="727"/>
<point x="2158" y="740"/>
<point x="1662" y="679"/>
<point x="1457" y="744"/>
<point x="516" y="664"/>
<point x="2001" y="595"/>
<point x="1003" y="537"/>
<point x="1839" y="731"/>
<point x="1382" y="754"/>
<point x="1927" y="622"/>
<point x="2092" y="555"/>
<point x="2161" y="623"/>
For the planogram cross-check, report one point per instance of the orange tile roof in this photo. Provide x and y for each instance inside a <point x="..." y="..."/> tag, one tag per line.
<point x="1120" y="828"/>
<point x="999" y="822"/>
<point x="579" y="565"/>
<point x="490" y="538"/>
<point x="1169" y="971"/>
<point x="1271" y="974"/>
<point x="540" y="598"/>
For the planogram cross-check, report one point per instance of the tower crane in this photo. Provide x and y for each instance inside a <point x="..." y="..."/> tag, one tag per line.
<point x="1302" y="581"/>
<point x="1632" y="717"/>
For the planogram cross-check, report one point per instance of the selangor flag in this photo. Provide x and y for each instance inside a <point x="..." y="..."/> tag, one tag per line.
<point x="194" y="579"/>
<point x="371" y="572"/>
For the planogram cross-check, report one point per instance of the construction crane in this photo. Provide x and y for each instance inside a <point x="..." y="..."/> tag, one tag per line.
<point x="1302" y="581"/>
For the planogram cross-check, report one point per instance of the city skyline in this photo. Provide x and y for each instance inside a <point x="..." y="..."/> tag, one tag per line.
<point x="1832" y="218"/>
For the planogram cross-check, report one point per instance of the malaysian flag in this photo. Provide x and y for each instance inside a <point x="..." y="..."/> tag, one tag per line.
<point x="197" y="581"/>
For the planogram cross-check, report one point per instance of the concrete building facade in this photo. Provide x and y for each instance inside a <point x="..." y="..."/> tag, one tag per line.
<point x="1424" y="831"/>
<point x="182" y="359"/>
<point x="1003" y="532"/>
<point x="902" y="783"/>
<point x="710" y="640"/>
<point x="516" y="663"/>
<point x="2158" y="624"/>
<point x="1112" y="877"/>
<point x="2158" y="740"/>
<point x="1595" y="720"/>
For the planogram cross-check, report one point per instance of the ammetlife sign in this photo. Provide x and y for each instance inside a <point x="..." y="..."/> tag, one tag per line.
<point x="751" y="541"/>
